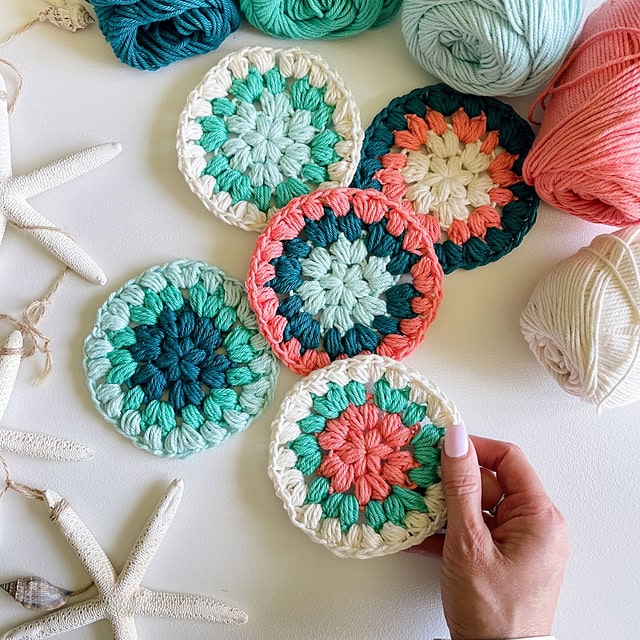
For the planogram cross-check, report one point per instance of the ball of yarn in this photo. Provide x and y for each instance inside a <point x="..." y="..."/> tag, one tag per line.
<point x="583" y="321"/>
<point x="149" y="34"/>
<point x="313" y="20"/>
<point x="491" y="47"/>
<point x="586" y="159"/>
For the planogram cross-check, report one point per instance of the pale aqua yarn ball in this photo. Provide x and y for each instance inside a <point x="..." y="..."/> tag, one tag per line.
<point x="491" y="47"/>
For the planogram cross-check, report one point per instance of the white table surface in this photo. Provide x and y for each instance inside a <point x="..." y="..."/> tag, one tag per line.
<point x="231" y="538"/>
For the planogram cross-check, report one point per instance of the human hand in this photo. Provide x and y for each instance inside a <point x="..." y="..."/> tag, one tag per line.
<point x="501" y="574"/>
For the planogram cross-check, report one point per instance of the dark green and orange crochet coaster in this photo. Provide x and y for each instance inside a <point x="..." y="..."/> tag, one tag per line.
<point x="355" y="456"/>
<point x="176" y="362"/>
<point x="454" y="160"/>
<point x="343" y="272"/>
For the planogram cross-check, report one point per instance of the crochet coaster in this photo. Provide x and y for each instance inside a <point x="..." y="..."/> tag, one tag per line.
<point x="456" y="160"/>
<point x="342" y="272"/>
<point x="175" y="360"/>
<point x="355" y="456"/>
<point x="264" y="126"/>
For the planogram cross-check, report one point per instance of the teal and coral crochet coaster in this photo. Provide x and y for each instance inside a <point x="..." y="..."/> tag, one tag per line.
<point x="355" y="456"/>
<point x="176" y="362"/>
<point x="456" y="161"/>
<point x="264" y="126"/>
<point x="343" y="272"/>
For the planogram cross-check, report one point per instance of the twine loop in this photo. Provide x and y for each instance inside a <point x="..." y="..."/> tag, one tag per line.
<point x="35" y="340"/>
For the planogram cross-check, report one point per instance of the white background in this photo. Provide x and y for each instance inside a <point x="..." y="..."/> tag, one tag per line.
<point x="231" y="538"/>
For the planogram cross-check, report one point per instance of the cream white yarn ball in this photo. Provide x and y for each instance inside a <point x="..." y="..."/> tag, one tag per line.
<point x="583" y="321"/>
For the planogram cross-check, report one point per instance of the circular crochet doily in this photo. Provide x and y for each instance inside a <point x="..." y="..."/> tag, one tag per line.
<point x="264" y="126"/>
<point x="355" y="456"/>
<point x="343" y="272"/>
<point x="457" y="161"/>
<point x="176" y="362"/>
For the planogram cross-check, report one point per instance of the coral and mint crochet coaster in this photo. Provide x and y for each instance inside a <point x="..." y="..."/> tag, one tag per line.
<point x="175" y="360"/>
<point x="456" y="160"/>
<point x="355" y="456"/>
<point x="343" y="272"/>
<point x="264" y="126"/>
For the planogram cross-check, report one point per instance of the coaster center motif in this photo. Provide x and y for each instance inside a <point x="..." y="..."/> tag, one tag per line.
<point x="344" y="284"/>
<point x="454" y="170"/>
<point x="366" y="451"/>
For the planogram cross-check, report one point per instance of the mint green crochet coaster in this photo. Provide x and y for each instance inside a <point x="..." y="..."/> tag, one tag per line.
<point x="263" y="127"/>
<point x="175" y="360"/>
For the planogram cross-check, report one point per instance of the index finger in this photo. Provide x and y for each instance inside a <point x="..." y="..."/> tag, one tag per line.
<point x="514" y="472"/>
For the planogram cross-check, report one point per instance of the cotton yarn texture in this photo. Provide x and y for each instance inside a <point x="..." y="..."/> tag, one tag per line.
<point x="342" y="272"/>
<point x="586" y="159"/>
<point x="583" y="321"/>
<point x="150" y="34"/>
<point x="491" y="47"/>
<point x="175" y="360"/>
<point x="355" y="456"/>
<point x="310" y="19"/>
<point x="264" y="126"/>
<point x="454" y="160"/>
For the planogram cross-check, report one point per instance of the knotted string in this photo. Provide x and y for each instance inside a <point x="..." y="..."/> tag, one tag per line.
<point x="3" y="96"/>
<point x="34" y="339"/>
<point x="22" y="489"/>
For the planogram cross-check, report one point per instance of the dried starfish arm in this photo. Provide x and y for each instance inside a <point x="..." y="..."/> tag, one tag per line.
<point x="14" y="191"/>
<point x="64" y="170"/>
<point x="150" y="538"/>
<point x="9" y="366"/>
<point x="82" y="542"/>
<point x="61" y="245"/>
<point x="71" y="617"/>
<point x="186" y="606"/>
<point x="42" y="446"/>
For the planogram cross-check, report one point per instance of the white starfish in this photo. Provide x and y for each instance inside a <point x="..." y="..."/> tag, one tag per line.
<point x="14" y="191"/>
<point x="35" y="445"/>
<point x="121" y="597"/>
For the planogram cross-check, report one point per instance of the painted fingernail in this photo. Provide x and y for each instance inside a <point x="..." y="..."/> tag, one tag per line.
<point x="456" y="441"/>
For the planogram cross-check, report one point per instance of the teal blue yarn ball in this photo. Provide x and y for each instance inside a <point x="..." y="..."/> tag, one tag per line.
<point x="491" y="47"/>
<point x="150" y="34"/>
<point x="318" y="19"/>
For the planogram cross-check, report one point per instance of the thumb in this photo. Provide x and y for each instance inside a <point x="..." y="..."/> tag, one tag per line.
<point x="462" y="485"/>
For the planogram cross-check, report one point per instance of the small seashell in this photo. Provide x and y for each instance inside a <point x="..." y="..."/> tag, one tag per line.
<point x="37" y="593"/>
<point x="70" y="17"/>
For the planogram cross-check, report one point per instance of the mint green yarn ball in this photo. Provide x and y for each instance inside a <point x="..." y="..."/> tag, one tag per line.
<point x="491" y="47"/>
<point x="318" y="19"/>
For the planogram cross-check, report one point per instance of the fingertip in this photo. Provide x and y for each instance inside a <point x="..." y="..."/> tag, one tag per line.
<point x="456" y="441"/>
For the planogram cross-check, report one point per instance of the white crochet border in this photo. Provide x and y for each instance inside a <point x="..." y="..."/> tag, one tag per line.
<point x="293" y="63"/>
<point x="361" y="541"/>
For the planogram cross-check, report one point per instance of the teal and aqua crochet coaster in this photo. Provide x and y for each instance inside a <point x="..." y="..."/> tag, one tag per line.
<point x="263" y="127"/>
<point x="175" y="360"/>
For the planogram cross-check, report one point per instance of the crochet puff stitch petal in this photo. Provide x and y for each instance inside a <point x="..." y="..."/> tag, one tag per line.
<point x="175" y="360"/>
<point x="355" y="456"/>
<point x="343" y="272"/>
<point x="263" y="127"/>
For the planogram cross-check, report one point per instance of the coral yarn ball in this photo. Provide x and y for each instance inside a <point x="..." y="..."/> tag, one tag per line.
<point x="586" y="158"/>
